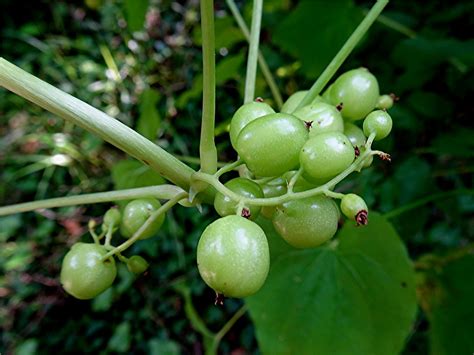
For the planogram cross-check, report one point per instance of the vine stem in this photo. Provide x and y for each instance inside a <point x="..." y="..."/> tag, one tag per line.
<point x="207" y="146"/>
<point x="159" y="191"/>
<point x="163" y="209"/>
<point x="223" y="331"/>
<point x="91" y="119"/>
<point x="343" y="53"/>
<point x="253" y="51"/>
<point x="267" y="74"/>
<point x="272" y="201"/>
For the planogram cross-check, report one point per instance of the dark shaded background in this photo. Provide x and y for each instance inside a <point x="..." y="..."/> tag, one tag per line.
<point x="146" y="73"/>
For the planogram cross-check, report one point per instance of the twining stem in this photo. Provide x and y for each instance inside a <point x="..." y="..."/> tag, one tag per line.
<point x="253" y="51"/>
<point x="228" y="167"/>
<point x="207" y="147"/>
<point x="84" y="115"/>
<point x="267" y="74"/>
<point x="160" y="191"/>
<point x="163" y="209"/>
<point x="343" y="53"/>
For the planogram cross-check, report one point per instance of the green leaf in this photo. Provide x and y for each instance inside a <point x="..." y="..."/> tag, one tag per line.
<point x="10" y="224"/>
<point x="227" y="68"/>
<point x="149" y="120"/>
<point x="120" y="340"/>
<point x="135" y="11"/>
<point x="357" y="298"/>
<point x="458" y="143"/>
<point x="316" y="30"/>
<point x="447" y="299"/>
<point x="28" y="347"/>
<point x="163" y="347"/>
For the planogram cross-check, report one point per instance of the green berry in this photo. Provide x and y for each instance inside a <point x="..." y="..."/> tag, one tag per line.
<point x="246" y="114"/>
<point x="233" y="256"/>
<point x="358" y="91"/>
<point x="83" y="273"/>
<point x="112" y="218"/>
<point x="355" y="208"/>
<point x="274" y="188"/>
<point x="137" y="265"/>
<point x="326" y="155"/>
<point x="321" y="117"/>
<point x="355" y="135"/>
<point x="225" y="206"/>
<point x="270" y="145"/>
<point x="294" y="100"/>
<point x="136" y="214"/>
<point x="378" y="122"/>
<point x="385" y="102"/>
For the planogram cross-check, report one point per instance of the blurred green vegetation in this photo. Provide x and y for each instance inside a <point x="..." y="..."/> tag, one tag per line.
<point x="141" y="63"/>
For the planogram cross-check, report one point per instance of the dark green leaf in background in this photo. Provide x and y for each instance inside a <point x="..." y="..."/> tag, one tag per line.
<point x="357" y="298"/>
<point x="149" y="120"/>
<point x="135" y="11"/>
<point x="315" y="31"/>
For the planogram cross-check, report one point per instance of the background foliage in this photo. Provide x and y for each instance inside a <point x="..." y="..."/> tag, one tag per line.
<point x="142" y="65"/>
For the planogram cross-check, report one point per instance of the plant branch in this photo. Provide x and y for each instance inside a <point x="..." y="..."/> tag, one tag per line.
<point x="91" y="119"/>
<point x="223" y="331"/>
<point x="159" y="191"/>
<point x="253" y="51"/>
<point x="267" y="74"/>
<point x="207" y="147"/>
<point x="163" y="209"/>
<point x="343" y="53"/>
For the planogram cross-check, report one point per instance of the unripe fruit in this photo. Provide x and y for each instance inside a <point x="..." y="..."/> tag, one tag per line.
<point x="136" y="214"/>
<point x="321" y="117"/>
<point x="378" y="122"/>
<point x="355" y="135"/>
<point x="355" y="208"/>
<point x="294" y="100"/>
<point x="233" y="256"/>
<point x="358" y="91"/>
<point x="83" y="274"/>
<point x="225" y="206"/>
<point x="137" y="265"/>
<point x="384" y="102"/>
<point x="246" y="114"/>
<point x="270" y="145"/>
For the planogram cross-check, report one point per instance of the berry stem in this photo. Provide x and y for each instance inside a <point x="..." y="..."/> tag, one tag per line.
<point x="163" y="209"/>
<point x="228" y="167"/>
<point x="267" y="74"/>
<point x="343" y="53"/>
<point x="253" y="51"/>
<point x="159" y="191"/>
<point x="207" y="146"/>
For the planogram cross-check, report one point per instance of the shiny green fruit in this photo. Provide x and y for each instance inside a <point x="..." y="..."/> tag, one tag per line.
<point x="294" y="100"/>
<point x="321" y="117"/>
<point x="358" y="91"/>
<point x="378" y="122"/>
<point x="233" y="256"/>
<point x="83" y="274"/>
<point x="225" y="206"/>
<point x="136" y="214"/>
<point x="270" y="145"/>
<point x="355" y="135"/>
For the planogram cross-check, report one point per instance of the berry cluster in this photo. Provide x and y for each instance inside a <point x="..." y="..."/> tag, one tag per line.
<point x="293" y="159"/>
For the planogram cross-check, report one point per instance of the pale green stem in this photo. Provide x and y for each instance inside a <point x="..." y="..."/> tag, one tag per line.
<point x="164" y="192"/>
<point x="333" y="194"/>
<point x="207" y="147"/>
<point x="108" y="236"/>
<point x="272" y="201"/>
<point x="84" y="115"/>
<point x="293" y="180"/>
<point x="196" y="160"/>
<point x="267" y="74"/>
<point x="395" y="25"/>
<point x="228" y="167"/>
<point x="223" y="331"/>
<point x="253" y="51"/>
<point x="343" y="53"/>
<point x="163" y="209"/>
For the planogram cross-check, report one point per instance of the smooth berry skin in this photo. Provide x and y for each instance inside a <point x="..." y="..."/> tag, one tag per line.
<point x="355" y="134"/>
<point x="358" y="91"/>
<point x="273" y="188"/>
<point x="352" y="205"/>
<point x="294" y="100"/>
<point x="308" y="222"/>
<point x="378" y="122"/>
<point x="323" y="118"/>
<point x="326" y="155"/>
<point x="137" y="265"/>
<point x="225" y="206"/>
<point x="233" y="256"/>
<point x="135" y="215"/>
<point x="246" y="114"/>
<point x="83" y="274"/>
<point x="270" y="145"/>
<point x="384" y="102"/>
<point x="112" y="217"/>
